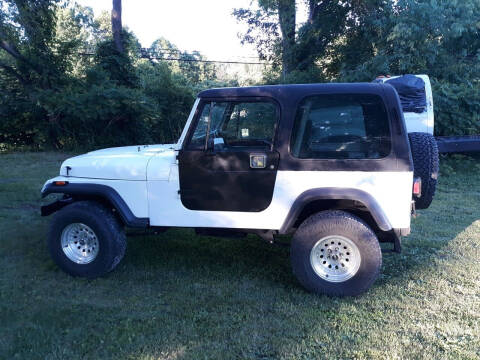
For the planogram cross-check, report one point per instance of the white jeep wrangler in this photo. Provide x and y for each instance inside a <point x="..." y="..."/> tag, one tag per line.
<point x="329" y="163"/>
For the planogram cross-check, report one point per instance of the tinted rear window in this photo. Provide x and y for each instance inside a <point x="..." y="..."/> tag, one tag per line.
<point x="353" y="126"/>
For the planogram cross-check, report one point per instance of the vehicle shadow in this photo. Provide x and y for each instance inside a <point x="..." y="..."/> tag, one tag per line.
<point x="431" y="231"/>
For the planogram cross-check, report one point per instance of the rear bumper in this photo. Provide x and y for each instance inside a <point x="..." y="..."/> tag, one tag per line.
<point x="402" y="232"/>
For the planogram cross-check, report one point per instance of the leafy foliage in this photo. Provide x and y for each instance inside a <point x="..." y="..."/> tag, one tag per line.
<point x="440" y="38"/>
<point x="359" y="40"/>
<point x="457" y="108"/>
<point x="56" y="95"/>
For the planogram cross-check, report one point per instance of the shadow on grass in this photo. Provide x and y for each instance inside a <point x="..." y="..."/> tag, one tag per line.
<point x="202" y="255"/>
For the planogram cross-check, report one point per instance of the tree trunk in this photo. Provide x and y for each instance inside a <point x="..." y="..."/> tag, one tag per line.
<point x="117" y="25"/>
<point x="286" y="17"/>
<point x="312" y="10"/>
<point x="13" y="51"/>
<point x="315" y="7"/>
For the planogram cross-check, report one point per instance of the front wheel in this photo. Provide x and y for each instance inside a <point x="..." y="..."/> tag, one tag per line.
<point x="86" y="239"/>
<point x="335" y="253"/>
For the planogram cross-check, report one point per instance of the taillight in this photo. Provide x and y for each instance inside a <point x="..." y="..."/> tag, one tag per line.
<point x="417" y="187"/>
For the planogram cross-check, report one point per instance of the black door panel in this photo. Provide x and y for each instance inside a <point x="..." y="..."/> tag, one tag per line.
<point x="228" y="163"/>
<point x="224" y="180"/>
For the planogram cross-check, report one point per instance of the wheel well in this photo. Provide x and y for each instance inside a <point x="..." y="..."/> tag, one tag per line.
<point x="102" y="200"/>
<point x="354" y="207"/>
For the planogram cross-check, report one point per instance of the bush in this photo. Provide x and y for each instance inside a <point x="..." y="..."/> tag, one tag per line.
<point x="457" y="108"/>
<point x="99" y="116"/>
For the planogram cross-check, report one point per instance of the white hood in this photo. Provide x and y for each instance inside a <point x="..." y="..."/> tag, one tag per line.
<point x="120" y="163"/>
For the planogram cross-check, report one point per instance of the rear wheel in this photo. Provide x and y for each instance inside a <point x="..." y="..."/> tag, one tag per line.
<point x="425" y="165"/>
<point x="86" y="239"/>
<point x="335" y="253"/>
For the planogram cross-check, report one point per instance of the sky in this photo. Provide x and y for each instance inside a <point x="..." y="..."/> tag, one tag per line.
<point x="204" y="25"/>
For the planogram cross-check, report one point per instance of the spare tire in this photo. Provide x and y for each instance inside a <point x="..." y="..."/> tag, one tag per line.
<point x="425" y="165"/>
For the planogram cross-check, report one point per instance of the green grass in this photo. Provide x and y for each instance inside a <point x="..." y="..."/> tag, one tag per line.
<point x="181" y="296"/>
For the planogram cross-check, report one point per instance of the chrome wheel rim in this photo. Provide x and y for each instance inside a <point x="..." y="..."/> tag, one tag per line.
<point x="79" y="243"/>
<point x="335" y="258"/>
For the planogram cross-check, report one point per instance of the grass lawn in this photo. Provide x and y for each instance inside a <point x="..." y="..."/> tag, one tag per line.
<point x="181" y="296"/>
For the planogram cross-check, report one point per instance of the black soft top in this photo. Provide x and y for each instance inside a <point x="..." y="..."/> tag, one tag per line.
<point x="294" y="90"/>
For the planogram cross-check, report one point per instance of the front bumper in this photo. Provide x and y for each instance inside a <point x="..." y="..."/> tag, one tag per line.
<point x="49" y="209"/>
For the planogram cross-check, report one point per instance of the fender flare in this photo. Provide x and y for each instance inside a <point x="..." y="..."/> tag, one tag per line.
<point x="333" y="193"/>
<point x="92" y="190"/>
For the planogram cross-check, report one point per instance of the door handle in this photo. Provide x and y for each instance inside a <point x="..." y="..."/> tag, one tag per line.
<point x="258" y="161"/>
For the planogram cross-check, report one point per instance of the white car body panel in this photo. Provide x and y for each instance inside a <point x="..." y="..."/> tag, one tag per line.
<point x="423" y="122"/>
<point x="159" y="200"/>
<point x="121" y="163"/>
<point x="159" y="166"/>
<point x="392" y="191"/>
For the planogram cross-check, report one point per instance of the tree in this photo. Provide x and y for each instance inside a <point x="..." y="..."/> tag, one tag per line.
<point x="360" y="39"/>
<point x="327" y="22"/>
<point x="262" y="31"/>
<point x="287" y="20"/>
<point x="34" y="64"/>
<point x="189" y="64"/>
<point x="114" y="55"/>
<point x="272" y="27"/>
<point x="56" y="95"/>
<point x="117" y="25"/>
<point x="31" y="25"/>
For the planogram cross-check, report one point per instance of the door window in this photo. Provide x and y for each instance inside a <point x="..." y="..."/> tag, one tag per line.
<point x="209" y="119"/>
<point x="224" y="125"/>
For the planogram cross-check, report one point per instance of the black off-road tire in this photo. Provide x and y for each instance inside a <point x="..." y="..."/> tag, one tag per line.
<point x="107" y="228"/>
<point x="425" y="165"/>
<point x="343" y="224"/>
